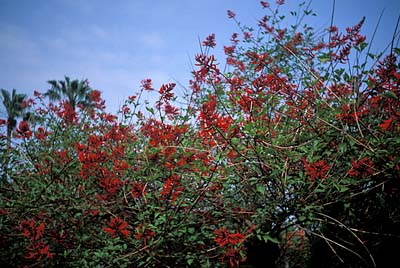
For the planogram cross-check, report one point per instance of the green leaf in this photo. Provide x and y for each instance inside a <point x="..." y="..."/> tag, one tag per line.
<point x="267" y="238"/>
<point x="391" y="95"/>
<point x="396" y="50"/>
<point x="324" y="58"/>
<point x="342" y="147"/>
<point x="302" y="218"/>
<point x="260" y="189"/>
<point x="150" y="109"/>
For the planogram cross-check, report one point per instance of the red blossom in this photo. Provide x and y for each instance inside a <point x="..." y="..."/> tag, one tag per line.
<point x="110" y="184"/>
<point x="231" y="14"/>
<point x="138" y="190"/>
<point x="24" y="129"/>
<point x="317" y="170"/>
<point x="361" y="168"/>
<point x="264" y="4"/>
<point x="126" y="110"/>
<point x="333" y="29"/>
<point x="147" y="84"/>
<point x="224" y="238"/>
<point x="387" y="125"/>
<point x="36" y="248"/>
<point x="229" y="50"/>
<point x="67" y="113"/>
<point x="206" y="64"/>
<point x="28" y="103"/>
<point x="247" y="35"/>
<point x="41" y="134"/>
<point x="209" y="41"/>
<point x="172" y="188"/>
<point x="234" y="39"/>
<point x="263" y="23"/>
<point x="166" y="91"/>
<point x="143" y="232"/>
<point x="95" y="96"/>
<point x="116" y="227"/>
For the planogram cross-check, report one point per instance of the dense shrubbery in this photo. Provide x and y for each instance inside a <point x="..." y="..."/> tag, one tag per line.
<point x="289" y="157"/>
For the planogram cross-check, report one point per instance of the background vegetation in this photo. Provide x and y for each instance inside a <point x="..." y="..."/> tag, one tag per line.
<point x="288" y="157"/>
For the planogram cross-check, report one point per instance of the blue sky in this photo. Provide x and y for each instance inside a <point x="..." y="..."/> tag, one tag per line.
<point x="116" y="44"/>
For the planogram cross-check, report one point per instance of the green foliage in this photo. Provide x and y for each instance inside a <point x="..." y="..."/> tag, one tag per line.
<point x="285" y="156"/>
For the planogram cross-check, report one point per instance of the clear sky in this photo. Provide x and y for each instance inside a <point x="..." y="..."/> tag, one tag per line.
<point x="115" y="44"/>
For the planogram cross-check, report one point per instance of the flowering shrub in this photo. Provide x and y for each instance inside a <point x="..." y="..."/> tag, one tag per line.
<point x="285" y="141"/>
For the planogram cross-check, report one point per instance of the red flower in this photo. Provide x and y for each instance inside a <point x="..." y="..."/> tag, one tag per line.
<point x="166" y="91"/>
<point x="264" y="4"/>
<point x="67" y="113"/>
<point x="38" y="250"/>
<point x="247" y="35"/>
<point x="280" y="2"/>
<point x="317" y="170"/>
<point x="223" y="237"/>
<point x="116" y="227"/>
<point x="231" y="14"/>
<point x="143" y="232"/>
<point x="147" y="84"/>
<point x="95" y="95"/>
<point x="229" y="50"/>
<point x="110" y="184"/>
<point x="386" y="125"/>
<point x="24" y="130"/>
<point x="37" y="93"/>
<point x="333" y="29"/>
<point x="209" y="41"/>
<point x="361" y="168"/>
<point x="138" y="190"/>
<point x="172" y="188"/>
<point x="29" y="230"/>
<point x="41" y="134"/>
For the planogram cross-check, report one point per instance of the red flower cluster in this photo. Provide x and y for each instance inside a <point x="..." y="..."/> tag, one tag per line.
<point x="41" y="134"/>
<point x="259" y="60"/>
<point x="209" y="41"/>
<point x="147" y="84"/>
<point x="138" y="190"/>
<point x="162" y="134"/>
<point x="264" y="4"/>
<point x="116" y="227"/>
<point x="143" y="232"/>
<point x="317" y="170"/>
<point x="231" y="14"/>
<point x="232" y="244"/>
<point x="97" y="101"/>
<point x="67" y="113"/>
<point x="172" y="188"/>
<point x="361" y="168"/>
<point x="24" y="130"/>
<point x="37" y="249"/>
<point x="224" y="238"/>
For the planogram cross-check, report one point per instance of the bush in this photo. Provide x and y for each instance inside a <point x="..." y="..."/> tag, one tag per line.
<point x="285" y="157"/>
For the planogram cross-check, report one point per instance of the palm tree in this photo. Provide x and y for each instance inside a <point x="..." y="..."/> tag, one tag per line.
<point x="14" y="109"/>
<point x="75" y="92"/>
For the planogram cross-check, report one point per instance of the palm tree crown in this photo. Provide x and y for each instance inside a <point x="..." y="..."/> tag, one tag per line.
<point x="75" y="91"/>
<point x="14" y="106"/>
